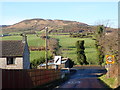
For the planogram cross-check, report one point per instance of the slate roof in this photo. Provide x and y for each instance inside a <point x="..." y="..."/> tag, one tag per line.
<point x="12" y="48"/>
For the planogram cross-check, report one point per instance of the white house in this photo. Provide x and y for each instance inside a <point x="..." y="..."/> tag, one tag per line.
<point x="14" y="54"/>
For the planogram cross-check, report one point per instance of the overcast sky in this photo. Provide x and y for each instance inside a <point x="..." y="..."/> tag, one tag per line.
<point x="86" y="12"/>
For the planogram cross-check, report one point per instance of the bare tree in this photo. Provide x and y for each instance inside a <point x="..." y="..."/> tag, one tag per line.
<point x="105" y="23"/>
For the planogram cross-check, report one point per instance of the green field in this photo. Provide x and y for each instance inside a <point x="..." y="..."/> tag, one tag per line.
<point x="37" y="54"/>
<point x="11" y="38"/>
<point x="67" y="44"/>
<point x="33" y="40"/>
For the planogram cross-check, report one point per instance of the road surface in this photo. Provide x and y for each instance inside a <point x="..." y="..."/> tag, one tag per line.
<point x="84" y="78"/>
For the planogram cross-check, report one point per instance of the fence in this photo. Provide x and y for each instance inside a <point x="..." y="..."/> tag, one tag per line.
<point x="28" y="78"/>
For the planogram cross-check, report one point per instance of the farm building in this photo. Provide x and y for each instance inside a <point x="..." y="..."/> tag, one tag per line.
<point x="14" y="54"/>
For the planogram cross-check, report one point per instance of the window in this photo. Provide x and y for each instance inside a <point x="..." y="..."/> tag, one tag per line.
<point x="10" y="60"/>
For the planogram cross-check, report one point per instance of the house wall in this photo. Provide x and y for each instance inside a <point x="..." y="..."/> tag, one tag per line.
<point x="18" y="63"/>
<point x="2" y="63"/>
<point x="26" y="58"/>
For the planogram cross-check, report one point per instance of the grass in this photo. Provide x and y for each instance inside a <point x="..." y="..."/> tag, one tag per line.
<point x="67" y="42"/>
<point x="37" y="54"/>
<point x="111" y="82"/>
<point x="11" y="38"/>
<point x="33" y="40"/>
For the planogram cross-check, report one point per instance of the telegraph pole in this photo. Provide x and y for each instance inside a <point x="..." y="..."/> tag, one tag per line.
<point x="46" y="47"/>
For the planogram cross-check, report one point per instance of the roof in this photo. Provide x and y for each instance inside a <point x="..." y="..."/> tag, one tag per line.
<point x="12" y="48"/>
<point x="52" y="63"/>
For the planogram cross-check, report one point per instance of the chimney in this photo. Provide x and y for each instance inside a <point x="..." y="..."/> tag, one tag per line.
<point x="24" y="39"/>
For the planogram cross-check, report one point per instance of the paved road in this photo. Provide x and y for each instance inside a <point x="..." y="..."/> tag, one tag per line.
<point x="84" y="78"/>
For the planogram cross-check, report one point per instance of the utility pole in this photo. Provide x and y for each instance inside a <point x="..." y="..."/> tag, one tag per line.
<point x="46" y="47"/>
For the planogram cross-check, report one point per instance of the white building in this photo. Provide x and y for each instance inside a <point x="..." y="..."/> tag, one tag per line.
<point x="14" y="54"/>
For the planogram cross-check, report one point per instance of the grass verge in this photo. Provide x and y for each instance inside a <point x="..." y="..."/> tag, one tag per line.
<point x="111" y="82"/>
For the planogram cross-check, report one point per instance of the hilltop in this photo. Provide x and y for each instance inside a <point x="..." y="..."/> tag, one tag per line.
<point x="32" y="25"/>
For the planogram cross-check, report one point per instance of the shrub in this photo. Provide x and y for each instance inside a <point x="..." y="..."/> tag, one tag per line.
<point x="36" y="62"/>
<point x="81" y="58"/>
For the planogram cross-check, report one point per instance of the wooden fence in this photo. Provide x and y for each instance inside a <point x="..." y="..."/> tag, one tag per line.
<point x="28" y="78"/>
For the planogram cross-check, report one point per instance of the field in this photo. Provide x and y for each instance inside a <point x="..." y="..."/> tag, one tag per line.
<point x="69" y="50"/>
<point x="33" y="40"/>
<point x="67" y="44"/>
<point x="37" y="54"/>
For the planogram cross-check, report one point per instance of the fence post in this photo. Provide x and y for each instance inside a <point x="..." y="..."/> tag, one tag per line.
<point x="0" y="79"/>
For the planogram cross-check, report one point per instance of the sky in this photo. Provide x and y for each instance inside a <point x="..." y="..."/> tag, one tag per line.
<point x="87" y="12"/>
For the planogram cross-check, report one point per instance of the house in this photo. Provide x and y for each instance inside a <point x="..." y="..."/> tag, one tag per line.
<point x="14" y="54"/>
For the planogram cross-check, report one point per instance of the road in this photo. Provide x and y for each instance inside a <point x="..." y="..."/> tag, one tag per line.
<point x="84" y="78"/>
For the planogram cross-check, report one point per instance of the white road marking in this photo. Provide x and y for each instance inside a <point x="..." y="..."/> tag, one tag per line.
<point x="74" y="82"/>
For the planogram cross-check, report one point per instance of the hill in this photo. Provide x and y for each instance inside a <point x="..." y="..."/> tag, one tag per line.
<point x="32" y="25"/>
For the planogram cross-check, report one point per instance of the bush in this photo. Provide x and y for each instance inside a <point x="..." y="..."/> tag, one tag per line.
<point x="36" y="62"/>
<point x="100" y="55"/>
<point x="81" y="58"/>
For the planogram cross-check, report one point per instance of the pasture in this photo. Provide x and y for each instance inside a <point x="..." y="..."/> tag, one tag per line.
<point x="37" y="54"/>
<point x="67" y="48"/>
<point x="33" y="40"/>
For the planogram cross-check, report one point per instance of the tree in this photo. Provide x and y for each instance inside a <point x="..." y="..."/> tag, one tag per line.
<point x="81" y="58"/>
<point x="100" y="33"/>
<point x="100" y="30"/>
<point x="53" y="45"/>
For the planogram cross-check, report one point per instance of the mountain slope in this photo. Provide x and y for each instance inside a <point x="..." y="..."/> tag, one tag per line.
<point x="53" y="25"/>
